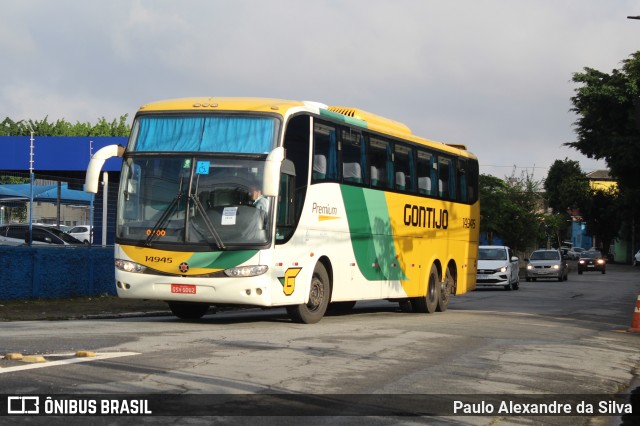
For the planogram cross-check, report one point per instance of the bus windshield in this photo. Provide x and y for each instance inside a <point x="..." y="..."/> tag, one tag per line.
<point x="193" y="202"/>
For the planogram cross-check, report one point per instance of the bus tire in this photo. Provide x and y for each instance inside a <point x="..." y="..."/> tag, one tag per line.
<point x="428" y="302"/>
<point x="188" y="310"/>
<point x="446" y="289"/>
<point x="319" y="295"/>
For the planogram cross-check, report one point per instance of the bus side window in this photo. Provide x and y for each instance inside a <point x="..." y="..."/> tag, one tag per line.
<point x="354" y="157"/>
<point x="381" y="163"/>
<point x="405" y="168"/>
<point x="424" y="171"/>
<point x="324" y="153"/>
<point x="462" y="180"/>
<point x="472" y="180"/>
<point x="446" y="178"/>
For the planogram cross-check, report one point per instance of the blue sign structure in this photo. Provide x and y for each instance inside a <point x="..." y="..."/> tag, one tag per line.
<point x="56" y="152"/>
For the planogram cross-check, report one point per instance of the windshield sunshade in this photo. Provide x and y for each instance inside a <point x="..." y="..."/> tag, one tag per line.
<point x="253" y="135"/>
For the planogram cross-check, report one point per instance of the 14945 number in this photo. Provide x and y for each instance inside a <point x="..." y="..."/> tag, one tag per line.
<point x="468" y="223"/>
<point x="158" y="259"/>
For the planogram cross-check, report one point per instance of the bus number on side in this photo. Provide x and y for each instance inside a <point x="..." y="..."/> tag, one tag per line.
<point x="468" y="223"/>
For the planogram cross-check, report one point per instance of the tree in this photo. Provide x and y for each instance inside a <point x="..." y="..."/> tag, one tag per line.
<point x="508" y="208"/>
<point x="43" y="127"/>
<point x="493" y="195"/>
<point x="608" y="127"/>
<point x="601" y="211"/>
<point x="566" y="186"/>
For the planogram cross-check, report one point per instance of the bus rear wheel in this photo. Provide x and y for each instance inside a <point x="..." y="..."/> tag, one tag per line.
<point x="319" y="295"/>
<point x="446" y="289"/>
<point x="428" y="302"/>
<point x="188" y="310"/>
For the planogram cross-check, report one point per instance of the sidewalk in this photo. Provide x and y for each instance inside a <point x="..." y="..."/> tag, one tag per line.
<point x="79" y="308"/>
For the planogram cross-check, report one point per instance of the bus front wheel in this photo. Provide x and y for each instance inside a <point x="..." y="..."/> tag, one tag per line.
<point x="319" y="295"/>
<point x="188" y="310"/>
<point x="428" y="302"/>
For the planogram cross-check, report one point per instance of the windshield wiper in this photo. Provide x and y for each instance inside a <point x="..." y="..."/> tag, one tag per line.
<point x="163" y="219"/>
<point x="207" y="221"/>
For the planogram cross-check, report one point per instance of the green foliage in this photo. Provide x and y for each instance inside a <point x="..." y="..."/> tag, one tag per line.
<point x="509" y="209"/>
<point x="119" y="127"/>
<point x="602" y="213"/>
<point x="566" y="186"/>
<point x="608" y="125"/>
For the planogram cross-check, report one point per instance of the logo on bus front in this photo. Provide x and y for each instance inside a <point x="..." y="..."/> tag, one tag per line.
<point x="183" y="267"/>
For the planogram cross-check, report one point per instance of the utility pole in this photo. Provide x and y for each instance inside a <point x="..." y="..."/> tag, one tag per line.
<point x="633" y="210"/>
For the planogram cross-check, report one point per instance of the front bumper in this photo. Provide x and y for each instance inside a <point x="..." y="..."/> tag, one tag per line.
<point x="245" y="291"/>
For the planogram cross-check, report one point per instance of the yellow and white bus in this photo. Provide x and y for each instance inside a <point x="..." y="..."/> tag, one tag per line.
<point x="277" y="203"/>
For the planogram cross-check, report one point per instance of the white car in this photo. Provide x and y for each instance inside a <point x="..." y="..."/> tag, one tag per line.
<point x="636" y="258"/>
<point x="497" y="266"/>
<point x="82" y="233"/>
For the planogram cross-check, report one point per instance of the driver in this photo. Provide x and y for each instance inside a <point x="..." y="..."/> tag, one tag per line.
<point x="259" y="201"/>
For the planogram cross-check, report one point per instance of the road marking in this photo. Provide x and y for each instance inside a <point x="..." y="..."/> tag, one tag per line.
<point x="72" y="360"/>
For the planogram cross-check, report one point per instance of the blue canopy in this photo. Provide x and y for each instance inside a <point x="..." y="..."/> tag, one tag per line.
<point x="43" y="193"/>
<point x="8" y="194"/>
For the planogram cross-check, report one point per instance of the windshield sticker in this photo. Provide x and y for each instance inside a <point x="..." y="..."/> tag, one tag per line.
<point x="202" y="167"/>
<point x="229" y="216"/>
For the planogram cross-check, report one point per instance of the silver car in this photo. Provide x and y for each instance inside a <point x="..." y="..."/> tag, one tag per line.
<point x="547" y="264"/>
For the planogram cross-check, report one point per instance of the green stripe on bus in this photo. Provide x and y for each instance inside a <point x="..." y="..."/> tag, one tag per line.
<point x="220" y="260"/>
<point x="371" y="234"/>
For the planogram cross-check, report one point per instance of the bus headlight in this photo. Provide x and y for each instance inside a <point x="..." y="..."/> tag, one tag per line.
<point x="128" y="266"/>
<point x="246" y="271"/>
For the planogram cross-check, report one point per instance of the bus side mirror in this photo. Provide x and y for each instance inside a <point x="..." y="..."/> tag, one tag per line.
<point x="271" y="176"/>
<point x="96" y="163"/>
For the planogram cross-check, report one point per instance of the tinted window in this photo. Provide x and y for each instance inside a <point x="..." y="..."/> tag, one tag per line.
<point x="354" y="157"/>
<point x="381" y="162"/>
<point x="446" y="178"/>
<point x="426" y="172"/>
<point x="324" y="153"/>
<point x="16" y="232"/>
<point x="492" y="254"/>
<point x="404" y="166"/>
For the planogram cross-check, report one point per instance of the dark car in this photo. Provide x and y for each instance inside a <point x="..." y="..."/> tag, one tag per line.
<point x="18" y="234"/>
<point x="591" y="260"/>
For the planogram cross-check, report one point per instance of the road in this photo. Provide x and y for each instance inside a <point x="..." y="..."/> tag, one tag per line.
<point x="546" y="338"/>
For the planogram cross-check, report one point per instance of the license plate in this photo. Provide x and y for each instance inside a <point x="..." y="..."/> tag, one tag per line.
<point x="183" y="288"/>
<point x="482" y="277"/>
<point x="591" y="266"/>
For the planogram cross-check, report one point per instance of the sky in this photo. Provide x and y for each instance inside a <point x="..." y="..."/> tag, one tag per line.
<point x="494" y="75"/>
